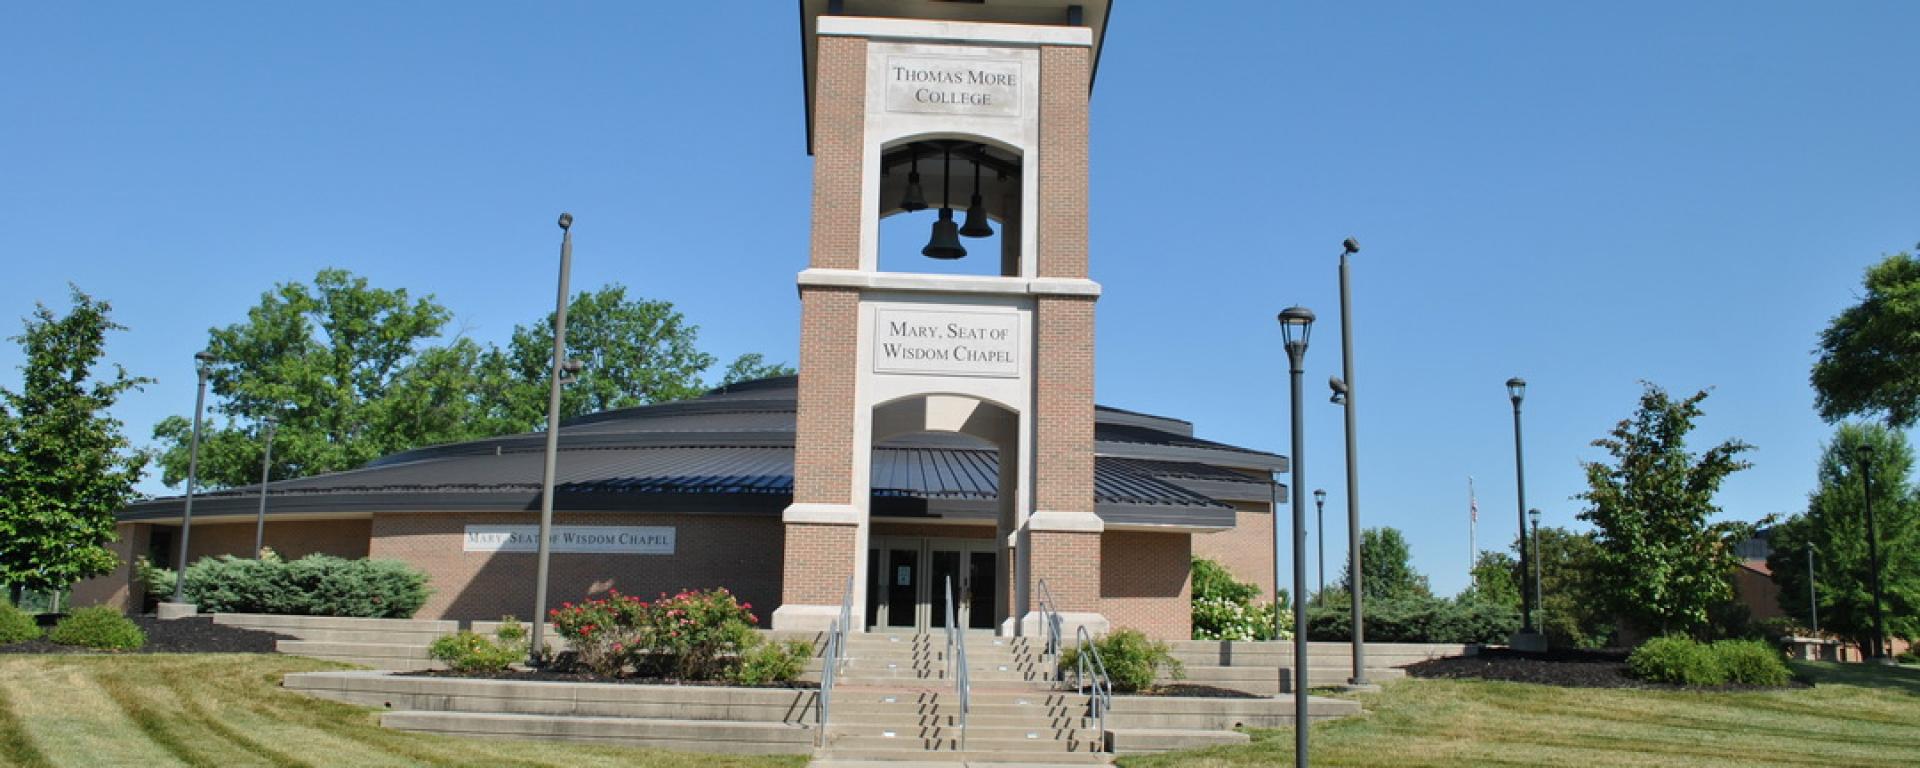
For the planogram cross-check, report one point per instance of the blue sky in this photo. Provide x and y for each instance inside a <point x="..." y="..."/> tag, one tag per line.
<point x="1586" y="195"/>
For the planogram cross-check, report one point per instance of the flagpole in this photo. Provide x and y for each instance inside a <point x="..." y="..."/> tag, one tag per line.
<point x="1473" y="525"/>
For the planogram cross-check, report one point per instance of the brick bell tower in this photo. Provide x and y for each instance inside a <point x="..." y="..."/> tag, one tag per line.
<point x="937" y="110"/>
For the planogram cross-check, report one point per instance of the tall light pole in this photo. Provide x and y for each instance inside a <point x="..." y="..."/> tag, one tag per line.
<point x="1526" y="637"/>
<point x="1813" y="592"/>
<point x="266" y="461"/>
<point x="1296" y="326"/>
<point x="1320" y="531"/>
<point x="201" y="362"/>
<point x="1539" y="603"/>
<point x="536" y="649"/>
<point x="1865" y="452"/>
<point x="1343" y="394"/>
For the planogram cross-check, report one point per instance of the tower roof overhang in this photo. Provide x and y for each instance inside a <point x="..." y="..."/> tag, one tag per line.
<point x="1090" y="14"/>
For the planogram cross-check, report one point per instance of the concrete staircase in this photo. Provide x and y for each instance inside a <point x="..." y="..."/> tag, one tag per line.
<point x="895" y="700"/>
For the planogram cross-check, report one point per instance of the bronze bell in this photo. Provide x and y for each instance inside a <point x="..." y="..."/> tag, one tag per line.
<point x="976" y="225"/>
<point x="913" y="200"/>
<point x="945" y="243"/>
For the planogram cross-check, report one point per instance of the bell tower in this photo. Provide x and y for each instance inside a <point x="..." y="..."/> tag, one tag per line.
<point x="972" y="118"/>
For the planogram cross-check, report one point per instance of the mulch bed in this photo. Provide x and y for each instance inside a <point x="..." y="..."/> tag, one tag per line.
<point x="1567" y="668"/>
<point x="1189" y="690"/>
<point x="197" y="634"/>
<point x="536" y="675"/>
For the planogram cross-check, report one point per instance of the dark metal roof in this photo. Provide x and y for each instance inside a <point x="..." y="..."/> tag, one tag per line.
<point x="732" y="450"/>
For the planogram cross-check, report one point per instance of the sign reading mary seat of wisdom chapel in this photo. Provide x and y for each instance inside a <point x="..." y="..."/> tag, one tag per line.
<point x="947" y="342"/>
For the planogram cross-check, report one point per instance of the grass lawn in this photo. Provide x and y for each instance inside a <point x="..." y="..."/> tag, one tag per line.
<point x="228" y="710"/>
<point x="1855" y="716"/>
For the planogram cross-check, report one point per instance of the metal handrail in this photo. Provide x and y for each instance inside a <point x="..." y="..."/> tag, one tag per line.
<point x="830" y="663"/>
<point x="963" y="679"/>
<point x="1049" y="621"/>
<point x="1090" y="671"/>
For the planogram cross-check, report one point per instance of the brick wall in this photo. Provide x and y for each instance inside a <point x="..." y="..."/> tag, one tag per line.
<point x="1062" y="232"/>
<point x="823" y="426"/>
<point x="1063" y="404"/>
<point x="292" y="539"/>
<point x="1144" y="584"/>
<point x="839" y="126"/>
<point x="739" y="553"/>
<point x="1069" y="561"/>
<point x="117" y="588"/>
<point x="1247" y="550"/>
<point x="818" y="560"/>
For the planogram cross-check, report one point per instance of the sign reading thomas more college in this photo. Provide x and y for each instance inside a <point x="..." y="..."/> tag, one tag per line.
<point x="946" y="342"/>
<point x="953" y="85"/>
<point x="595" y="539"/>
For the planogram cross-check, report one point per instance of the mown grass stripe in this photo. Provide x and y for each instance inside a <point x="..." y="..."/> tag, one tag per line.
<point x="171" y="679"/>
<point x="15" y="743"/>
<point x="150" y="721"/>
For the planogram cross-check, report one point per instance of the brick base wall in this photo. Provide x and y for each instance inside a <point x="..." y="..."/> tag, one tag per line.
<point x="117" y="588"/>
<point x="818" y="560"/>
<point x="1144" y="584"/>
<point x="1069" y="561"/>
<point x="739" y="553"/>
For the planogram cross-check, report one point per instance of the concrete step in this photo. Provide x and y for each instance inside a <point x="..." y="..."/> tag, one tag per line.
<point x="975" y="732"/>
<point x="395" y="657"/>
<point x="293" y="625"/>
<point x="839" y="755"/>
<point x="977" y="719"/>
<point x="733" y="737"/>
<point x="1148" y="740"/>
<point x="1010" y="748"/>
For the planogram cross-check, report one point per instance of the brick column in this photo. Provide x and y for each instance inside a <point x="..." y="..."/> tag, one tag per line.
<point x="822" y="526"/>
<point x="1063" y="534"/>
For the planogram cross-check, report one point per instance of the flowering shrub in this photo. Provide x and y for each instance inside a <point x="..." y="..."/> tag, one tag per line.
<point x="1224" y="608"/>
<point x="691" y="635"/>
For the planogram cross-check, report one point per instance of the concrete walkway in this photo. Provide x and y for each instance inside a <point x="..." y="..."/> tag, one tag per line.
<point x="831" y="763"/>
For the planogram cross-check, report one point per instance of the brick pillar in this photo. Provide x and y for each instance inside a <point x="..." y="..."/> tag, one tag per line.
<point x="1063" y="534"/>
<point x="823" y="525"/>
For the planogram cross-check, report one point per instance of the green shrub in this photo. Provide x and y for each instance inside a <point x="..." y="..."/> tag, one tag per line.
<point x="315" y="585"/>
<point x="159" y="581"/>
<point x="1752" y="662"/>
<point x="471" y="652"/>
<point x="1132" y="660"/>
<point x="16" y="626"/>
<point x="98" y="626"/>
<point x="1224" y="608"/>
<point x="1679" y="660"/>
<point x="1416" y="619"/>
<point x="772" y="662"/>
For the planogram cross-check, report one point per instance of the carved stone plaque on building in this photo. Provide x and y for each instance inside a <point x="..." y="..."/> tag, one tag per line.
<point x="953" y="85"/>
<point x="946" y="342"/>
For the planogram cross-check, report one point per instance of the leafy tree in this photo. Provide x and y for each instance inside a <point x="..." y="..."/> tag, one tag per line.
<point x="1869" y="354"/>
<point x="753" y="365"/>
<point x="1834" y="525"/>
<point x="1386" y="567"/>
<point x="1495" y="579"/>
<point x="1662" y="565"/>
<point x="1573" y="611"/>
<point x="64" y="466"/>
<point x="346" y="370"/>
<point x="636" y="352"/>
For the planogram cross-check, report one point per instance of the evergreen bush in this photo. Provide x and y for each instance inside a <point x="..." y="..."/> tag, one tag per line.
<point x="16" y="626"/>
<point x="315" y="585"/>
<point x="98" y="626"/>
<point x="1416" y="618"/>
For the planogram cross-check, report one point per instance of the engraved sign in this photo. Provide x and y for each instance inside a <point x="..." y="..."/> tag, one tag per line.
<point x="596" y="539"/>
<point x="953" y="86"/>
<point x="951" y="342"/>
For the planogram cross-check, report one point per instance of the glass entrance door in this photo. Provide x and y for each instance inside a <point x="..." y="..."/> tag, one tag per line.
<point x="908" y="590"/>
